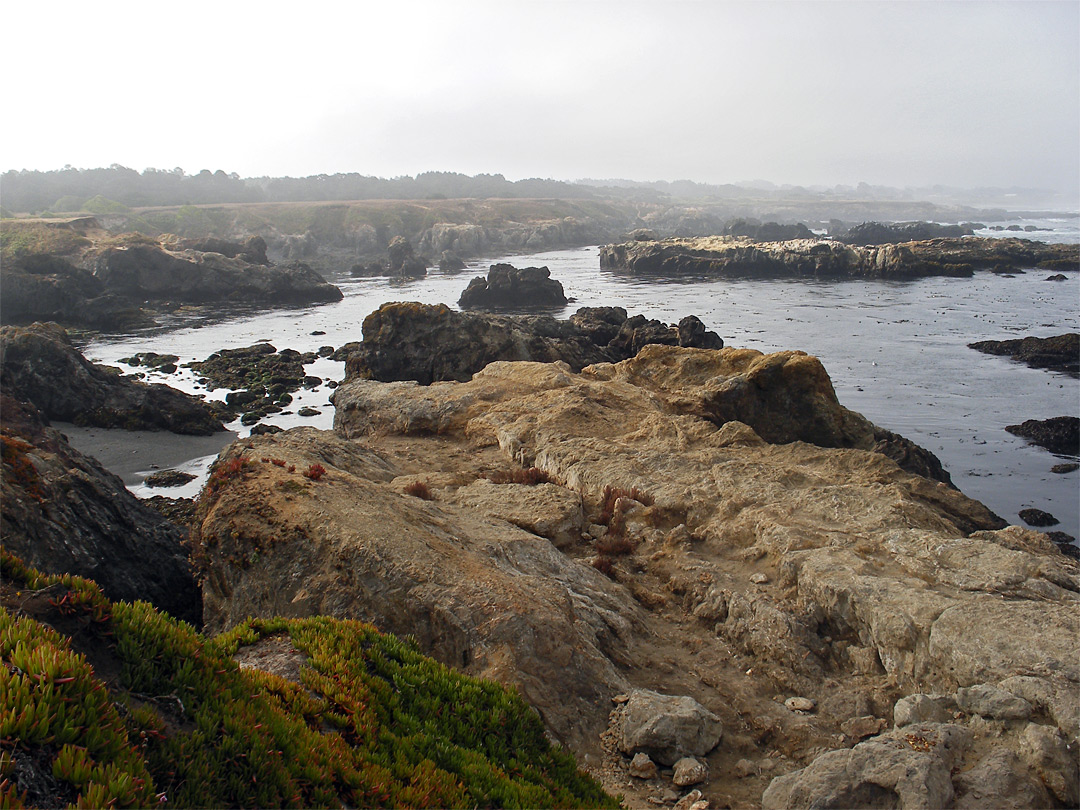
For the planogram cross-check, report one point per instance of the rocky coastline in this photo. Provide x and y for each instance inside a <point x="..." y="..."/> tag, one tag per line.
<point x="741" y="257"/>
<point x="78" y="274"/>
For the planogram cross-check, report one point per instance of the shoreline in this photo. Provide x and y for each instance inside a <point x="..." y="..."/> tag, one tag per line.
<point x="133" y="454"/>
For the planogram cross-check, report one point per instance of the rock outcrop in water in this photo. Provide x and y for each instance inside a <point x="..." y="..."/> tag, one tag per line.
<point x="877" y="233"/>
<point x="711" y="564"/>
<point x="1059" y="434"/>
<point x="429" y="342"/>
<point x="38" y="364"/>
<point x="78" y="274"/>
<point x="64" y="513"/>
<point x="1057" y="353"/>
<point x="509" y="286"/>
<point x="823" y="258"/>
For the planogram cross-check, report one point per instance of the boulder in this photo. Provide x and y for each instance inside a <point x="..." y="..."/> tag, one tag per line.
<point x="667" y="727"/>
<point x="63" y="513"/>
<point x="689" y="771"/>
<point x="509" y="287"/>
<point x="39" y="364"/>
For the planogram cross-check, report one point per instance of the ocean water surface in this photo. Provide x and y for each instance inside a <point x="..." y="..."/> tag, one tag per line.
<point x="896" y="352"/>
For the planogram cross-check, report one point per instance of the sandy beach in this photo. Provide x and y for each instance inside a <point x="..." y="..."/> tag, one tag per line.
<point x="134" y="454"/>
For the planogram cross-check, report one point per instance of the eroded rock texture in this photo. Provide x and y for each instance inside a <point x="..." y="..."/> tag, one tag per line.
<point x="712" y="564"/>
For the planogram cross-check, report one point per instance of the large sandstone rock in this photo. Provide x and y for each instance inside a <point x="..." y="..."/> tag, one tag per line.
<point x="823" y="258"/>
<point x="63" y="513"/>
<point x="38" y="364"/>
<point x="738" y="570"/>
<point x="478" y="593"/>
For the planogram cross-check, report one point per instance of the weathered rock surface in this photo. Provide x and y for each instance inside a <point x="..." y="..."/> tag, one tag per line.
<point x="883" y="772"/>
<point x="430" y="342"/>
<point x="1057" y="353"/>
<point x="62" y="512"/>
<point x="1059" y="434"/>
<point x="879" y="583"/>
<point x="822" y="258"/>
<point x="507" y="286"/>
<point x="668" y="727"/>
<point x="39" y="364"/>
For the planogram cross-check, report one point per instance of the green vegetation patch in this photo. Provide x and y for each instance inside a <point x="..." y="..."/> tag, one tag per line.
<point x="19" y="239"/>
<point x="123" y="706"/>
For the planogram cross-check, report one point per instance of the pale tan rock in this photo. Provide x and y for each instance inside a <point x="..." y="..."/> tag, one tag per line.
<point x="688" y="801"/>
<point x="642" y="767"/>
<point x="548" y="510"/>
<point x="689" y="771"/>
<point x="800" y="704"/>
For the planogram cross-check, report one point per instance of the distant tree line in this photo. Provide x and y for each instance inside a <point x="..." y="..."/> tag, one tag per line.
<point x="69" y="189"/>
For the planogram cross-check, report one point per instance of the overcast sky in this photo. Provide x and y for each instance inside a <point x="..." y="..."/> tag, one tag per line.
<point x="909" y="93"/>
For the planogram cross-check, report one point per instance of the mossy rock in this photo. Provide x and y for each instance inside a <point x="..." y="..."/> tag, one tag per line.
<point x="116" y="704"/>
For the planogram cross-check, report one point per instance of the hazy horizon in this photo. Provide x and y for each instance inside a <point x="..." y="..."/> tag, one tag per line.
<point x="910" y="94"/>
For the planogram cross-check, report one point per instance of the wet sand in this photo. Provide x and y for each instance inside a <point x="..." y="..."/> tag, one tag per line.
<point x="132" y="454"/>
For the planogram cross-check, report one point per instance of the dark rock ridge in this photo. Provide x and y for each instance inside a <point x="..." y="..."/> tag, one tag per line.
<point x="1060" y="434"/>
<point x="1057" y="353"/>
<point x="822" y="258"/>
<point x="767" y="231"/>
<point x="877" y="233"/>
<point x="105" y="282"/>
<point x="147" y="272"/>
<point x="38" y="364"/>
<point x="508" y="286"/>
<point x="64" y="513"/>
<point x="431" y="342"/>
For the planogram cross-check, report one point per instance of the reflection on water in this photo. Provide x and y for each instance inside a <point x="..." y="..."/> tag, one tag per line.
<point x="896" y="351"/>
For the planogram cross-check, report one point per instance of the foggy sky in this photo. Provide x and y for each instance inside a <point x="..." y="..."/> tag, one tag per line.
<point x="963" y="94"/>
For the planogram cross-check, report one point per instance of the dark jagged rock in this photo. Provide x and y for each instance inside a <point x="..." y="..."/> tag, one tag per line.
<point x="402" y="261"/>
<point x="146" y="272"/>
<point x="507" y="286"/>
<point x="740" y="257"/>
<point x="767" y="231"/>
<point x="1037" y="517"/>
<point x="62" y="512"/>
<point x="252" y="250"/>
<point x="427" y="343"/>
<point x="104" y="282"/>
<point x="1056" y="277"/>
<point x="38" y="364"/>
<point x="1058" y="353"/>
<point x="877" y="233"/>
<point x="1061" y="434"/>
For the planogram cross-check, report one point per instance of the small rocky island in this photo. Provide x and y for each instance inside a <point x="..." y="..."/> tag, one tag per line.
<point x="743" y="257"/>
<point x="508" y="286"/>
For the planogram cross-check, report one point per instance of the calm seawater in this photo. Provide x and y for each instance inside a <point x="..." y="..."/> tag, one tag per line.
<point x="896" y="351"/>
